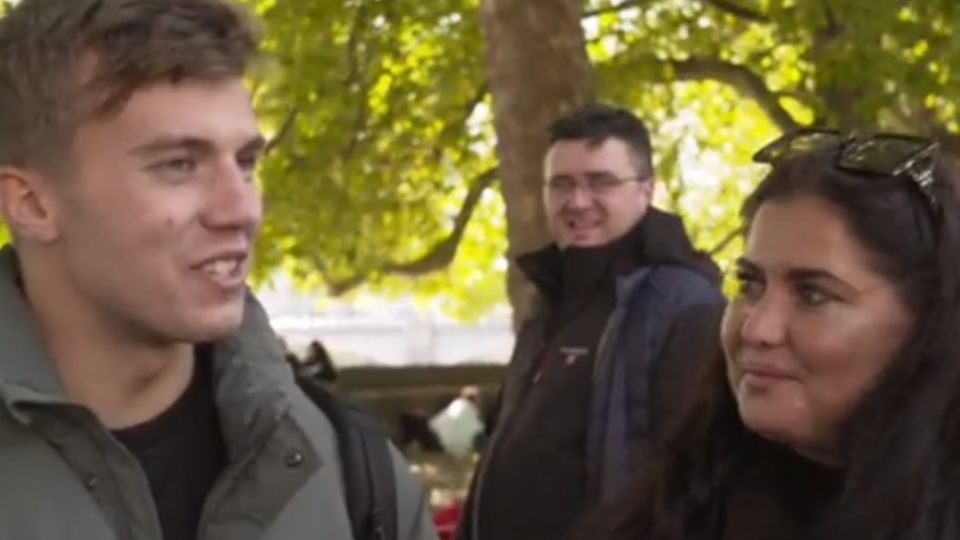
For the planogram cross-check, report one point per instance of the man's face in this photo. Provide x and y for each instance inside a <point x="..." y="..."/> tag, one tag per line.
<point x="157" y="212"/>
<point x="593" y="193"/>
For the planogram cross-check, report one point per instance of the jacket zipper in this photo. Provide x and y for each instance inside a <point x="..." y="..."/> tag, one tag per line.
<point x="613" y="323"/>
<point x="601" y="362"/>
<point x="228" y="479"/>
<point x="491" y="448"/>
<point x="100" y="444"/>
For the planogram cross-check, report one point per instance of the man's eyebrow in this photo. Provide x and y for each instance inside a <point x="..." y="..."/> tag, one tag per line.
<point x="585" y="174"/>
<point x="256" y="144"/>
<point x="169" y="142"/>
<point x="598" y="173"/>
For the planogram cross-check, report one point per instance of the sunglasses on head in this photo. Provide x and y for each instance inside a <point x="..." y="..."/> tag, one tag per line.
<point x="888" y="154"/>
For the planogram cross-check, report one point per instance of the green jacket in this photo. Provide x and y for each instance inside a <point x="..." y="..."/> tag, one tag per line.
<point x="64" y="477"/>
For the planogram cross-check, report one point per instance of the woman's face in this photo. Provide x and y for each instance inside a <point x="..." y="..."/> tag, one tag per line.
<point x="811" y="326"/>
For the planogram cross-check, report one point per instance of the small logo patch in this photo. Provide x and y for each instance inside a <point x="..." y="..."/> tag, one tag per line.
<point x="571" y="355"/>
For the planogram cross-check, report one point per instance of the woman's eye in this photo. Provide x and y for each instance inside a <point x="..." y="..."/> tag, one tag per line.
<point x="748" y="284"/>
<point x="812" y="295"/>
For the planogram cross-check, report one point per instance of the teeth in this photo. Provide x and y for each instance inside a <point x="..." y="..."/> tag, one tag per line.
<point x="577" y="225"/>
<point x="222" y="268"/>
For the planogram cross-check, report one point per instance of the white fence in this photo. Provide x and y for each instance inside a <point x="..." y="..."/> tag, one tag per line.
<point x="376" y="331"/>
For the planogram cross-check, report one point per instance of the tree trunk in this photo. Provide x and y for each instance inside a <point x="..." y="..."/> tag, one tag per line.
<point x="538" y="69"/>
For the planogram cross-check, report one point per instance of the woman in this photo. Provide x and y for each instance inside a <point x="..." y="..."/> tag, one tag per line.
<point x="834" y="413"/>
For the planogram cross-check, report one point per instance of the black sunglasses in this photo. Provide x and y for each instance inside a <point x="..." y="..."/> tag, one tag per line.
<point x="888" y="154"/>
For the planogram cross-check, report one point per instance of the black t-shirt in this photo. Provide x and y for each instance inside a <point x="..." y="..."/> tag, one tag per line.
<point x="777" y="495"/>
<point x="182" y="452"/>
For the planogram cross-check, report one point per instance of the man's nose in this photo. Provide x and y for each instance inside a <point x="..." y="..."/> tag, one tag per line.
<point x="233" y="199"/>
<point x="580" y="197"/>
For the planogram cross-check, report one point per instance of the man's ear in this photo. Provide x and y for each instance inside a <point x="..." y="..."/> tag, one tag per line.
<point x="647" y="186"/>
<point x="26" y="204"/>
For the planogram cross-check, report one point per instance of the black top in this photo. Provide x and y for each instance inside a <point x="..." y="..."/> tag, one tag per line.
<point x="780" y="497"/>
<point x="772" y="494"/>
<point x="536" y="486"/>
<point x="182" y="452"/>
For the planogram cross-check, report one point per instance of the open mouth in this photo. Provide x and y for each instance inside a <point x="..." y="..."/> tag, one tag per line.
<point x="578" y="225"/>
<point x="222" y="268"/>
<point x="225" y="272"/>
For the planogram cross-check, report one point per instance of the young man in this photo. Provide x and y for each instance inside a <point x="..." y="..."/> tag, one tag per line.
<point x="142" y="392"/>
<point x="628" y="306"/>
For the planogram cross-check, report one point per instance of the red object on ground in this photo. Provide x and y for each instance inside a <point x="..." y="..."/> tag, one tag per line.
<point x="445" y="518"/>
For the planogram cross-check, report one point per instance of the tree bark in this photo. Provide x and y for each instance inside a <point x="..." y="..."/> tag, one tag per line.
<point x="538" y="69"/>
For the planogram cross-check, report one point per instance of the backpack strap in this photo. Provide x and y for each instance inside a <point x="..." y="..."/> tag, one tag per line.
<point x="366" y="464"/>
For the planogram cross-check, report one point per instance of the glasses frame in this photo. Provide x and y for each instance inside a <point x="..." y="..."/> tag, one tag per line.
<point x="554" y="189"/>
<point x="917" y="165"/>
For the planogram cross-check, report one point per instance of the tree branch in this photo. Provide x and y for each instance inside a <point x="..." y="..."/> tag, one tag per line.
<point x="740" y="77"/>
<point x="441" y="254"/>
<point x="468" y="108"/>
<point x="731" y="7"/>
<point x="476" y="100"/>
<point x="355" y="81"/>
<point x="924" y="119"/>
<point x="283" y="132"/>
<point x="725" y="241"/>
<point x="728" y="6"/>
<point x="341" y="287"/>
<point x="616" y="8"/>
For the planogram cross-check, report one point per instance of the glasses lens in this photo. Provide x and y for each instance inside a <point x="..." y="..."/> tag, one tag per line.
<point x="883" y="155"/>
<point x="796" y="144"/>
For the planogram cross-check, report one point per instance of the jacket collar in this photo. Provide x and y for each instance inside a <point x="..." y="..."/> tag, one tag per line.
<point x="26" y="371"/>
<point x="253" y="380"/>
<point x="251" y="376"/>
<point x="658" y="238"/>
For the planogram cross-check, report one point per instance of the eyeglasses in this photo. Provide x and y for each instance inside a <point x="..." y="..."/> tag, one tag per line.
<point x="888" y="154"/>
<point x="597" y="184"/>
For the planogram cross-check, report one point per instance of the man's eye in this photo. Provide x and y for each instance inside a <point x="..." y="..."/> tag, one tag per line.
<point x="561" y="185"/>
<point x="247" y="163"/>
<point x="178" y="165"/>
<point x="604" y="182"/>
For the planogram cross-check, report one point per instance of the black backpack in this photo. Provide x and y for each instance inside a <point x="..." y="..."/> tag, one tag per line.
<point x="367" y="466"/>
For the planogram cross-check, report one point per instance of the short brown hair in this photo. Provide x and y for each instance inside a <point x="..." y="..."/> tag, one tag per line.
<point x="65" y="61"/>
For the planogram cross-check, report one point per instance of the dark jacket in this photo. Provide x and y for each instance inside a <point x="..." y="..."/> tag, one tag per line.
<point x="665" y="319"/>
<point x="63" y="476"/>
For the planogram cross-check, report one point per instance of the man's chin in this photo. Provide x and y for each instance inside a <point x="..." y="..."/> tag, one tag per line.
<point x="214" y="326"/>
<point x="584" y="240"/>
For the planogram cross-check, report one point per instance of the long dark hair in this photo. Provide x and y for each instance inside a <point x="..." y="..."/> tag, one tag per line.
<point x="901" y="445"/>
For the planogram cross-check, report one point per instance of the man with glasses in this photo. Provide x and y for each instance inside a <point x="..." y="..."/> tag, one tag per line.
<point x="627" y="307"/>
